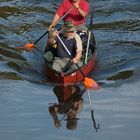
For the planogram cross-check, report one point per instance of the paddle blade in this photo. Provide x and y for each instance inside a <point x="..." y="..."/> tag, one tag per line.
<point x="90" y="83"/>
<point x="29" y="46"/>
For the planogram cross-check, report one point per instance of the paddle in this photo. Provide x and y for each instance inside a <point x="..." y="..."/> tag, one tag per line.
<point x="91" y="18"/>
<point x="88" y="82"/>
<point x="92" y="112"/>
<point x="32" y="45"/>
<point x="89" y="96"/>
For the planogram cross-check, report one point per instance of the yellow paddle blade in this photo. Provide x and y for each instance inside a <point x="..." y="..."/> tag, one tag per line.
<point x="29" y="46"/>
<point x="90" y="83"/>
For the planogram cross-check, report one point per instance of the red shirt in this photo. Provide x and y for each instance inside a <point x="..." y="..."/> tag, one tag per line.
<point x="74" y="15"/>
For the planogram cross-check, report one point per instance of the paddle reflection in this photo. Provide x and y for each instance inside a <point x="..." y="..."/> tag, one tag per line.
<point x="70" y="103"/>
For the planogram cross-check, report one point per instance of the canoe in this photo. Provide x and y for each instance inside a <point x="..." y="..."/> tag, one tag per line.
<point x="75" y="76"/>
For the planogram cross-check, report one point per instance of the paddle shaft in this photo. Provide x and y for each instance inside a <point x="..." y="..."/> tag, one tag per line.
<point x="92" y="111"/>
<point x="91" y="18"/>
<point x="54" y="25"/>
<point x="87" y="48"/>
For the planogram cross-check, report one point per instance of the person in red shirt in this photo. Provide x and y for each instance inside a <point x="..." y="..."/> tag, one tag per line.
<point x="77" y="15"/>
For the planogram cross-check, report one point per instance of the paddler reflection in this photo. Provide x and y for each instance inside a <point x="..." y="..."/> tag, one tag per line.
<point x="70" y="103"/>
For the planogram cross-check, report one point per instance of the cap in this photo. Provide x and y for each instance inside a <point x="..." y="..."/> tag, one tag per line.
<point x="69" y="26"/>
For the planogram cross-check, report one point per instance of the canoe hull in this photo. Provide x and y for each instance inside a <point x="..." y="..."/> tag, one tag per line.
<point x="71" y="78"/>
<point x="75" y="76"/>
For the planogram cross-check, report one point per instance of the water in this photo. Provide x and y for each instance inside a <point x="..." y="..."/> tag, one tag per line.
<point x="25" y="94"/>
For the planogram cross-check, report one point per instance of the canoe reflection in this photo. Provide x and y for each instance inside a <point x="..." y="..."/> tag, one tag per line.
<point x="70" y="103"/>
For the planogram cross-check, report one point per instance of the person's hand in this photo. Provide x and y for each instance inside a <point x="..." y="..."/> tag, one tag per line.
<point x="50" y="28"/>
<point x="53" y="34"/>
<point x="76" y="5"/>
<point x="75" y="60"/>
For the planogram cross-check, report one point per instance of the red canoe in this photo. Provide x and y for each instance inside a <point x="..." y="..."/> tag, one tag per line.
<point x="76" y="75"/>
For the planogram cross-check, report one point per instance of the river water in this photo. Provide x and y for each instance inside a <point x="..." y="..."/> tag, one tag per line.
<point x="25" y="94"/>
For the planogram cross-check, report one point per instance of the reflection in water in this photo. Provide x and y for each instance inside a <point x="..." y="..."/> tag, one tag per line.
<point x="92" y="112"/>
<point x="117" y="31"/>
<point x="70" y="103"/>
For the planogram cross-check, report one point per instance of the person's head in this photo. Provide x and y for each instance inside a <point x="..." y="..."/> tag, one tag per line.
<point x="69" y="28"/>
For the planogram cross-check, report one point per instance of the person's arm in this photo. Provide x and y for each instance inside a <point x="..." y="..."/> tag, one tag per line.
<point x="59" y="13"/>
<point x="54" y="22"/>
<point x="79" y="49"/>
<point x="77" y="57"/>
<point x="53" y="113"/>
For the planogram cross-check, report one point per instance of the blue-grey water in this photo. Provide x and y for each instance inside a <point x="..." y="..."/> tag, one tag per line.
<point x="26" y="94"/>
